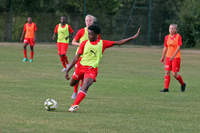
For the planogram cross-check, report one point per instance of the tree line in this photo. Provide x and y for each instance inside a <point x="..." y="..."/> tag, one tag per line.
<point x="186" y="13"/>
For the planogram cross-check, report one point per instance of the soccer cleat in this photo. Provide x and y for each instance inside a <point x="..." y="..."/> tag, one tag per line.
<point x="73" y="108"/>
<point x="30" y="60"/>
<point x="25" y="60"/>
<point x="164" y="90"/>
<point x="74" y="95"/>
<point x="64" y="70"/>
<point x="183" y="87"/>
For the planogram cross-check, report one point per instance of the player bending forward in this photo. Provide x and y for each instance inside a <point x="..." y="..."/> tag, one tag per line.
<point x="90" y="54"/>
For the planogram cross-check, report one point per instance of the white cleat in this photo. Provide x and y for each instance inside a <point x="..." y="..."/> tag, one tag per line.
<point x="73" y="108"/>
<point x="74" y="95"/>
<point x="64" y="70"/>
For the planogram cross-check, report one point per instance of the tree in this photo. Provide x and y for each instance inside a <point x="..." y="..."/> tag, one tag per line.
<point x="189" y="21"/>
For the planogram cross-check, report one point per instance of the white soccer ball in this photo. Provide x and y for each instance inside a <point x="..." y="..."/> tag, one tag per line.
<point x="50" y="104"/>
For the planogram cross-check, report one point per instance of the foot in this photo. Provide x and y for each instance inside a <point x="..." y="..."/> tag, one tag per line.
<point x="164" y="90"/>
<point x="73" y="108"/>
<point x="25" y="60"/>
<point x="30" y="60"/>
<point x="183" y="87"/>
<point x="74" y="95"/>
<point x="64" y="70"/>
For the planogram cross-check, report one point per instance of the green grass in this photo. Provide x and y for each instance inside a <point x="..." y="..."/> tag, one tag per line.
<point x="125" y="98"/>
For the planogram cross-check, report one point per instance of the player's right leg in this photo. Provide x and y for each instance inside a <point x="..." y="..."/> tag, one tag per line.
<point x="168" y="68"/>
<point x="81" y="95"/>
<point x="25" y="52"/>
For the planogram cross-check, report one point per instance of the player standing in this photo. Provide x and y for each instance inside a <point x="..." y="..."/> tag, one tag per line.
<point x="81" y="36"/>
<point x="89" y="56"/>
<point x="29" y="35"/>
<point x="172" y="56"/>
<point x="62" y="30"/>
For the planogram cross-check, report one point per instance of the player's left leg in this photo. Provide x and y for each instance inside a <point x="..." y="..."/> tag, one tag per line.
<point x="175" y="69"/>
<point x="32" y="53"/>
<point x="32" y="43"/>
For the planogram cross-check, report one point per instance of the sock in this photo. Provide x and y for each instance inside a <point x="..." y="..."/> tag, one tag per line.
<point x="63" y="61"/>
<point x="66" y="60"/>
<point x="76" y="88"/>
<point x="167" y="81"/>
<point x="32" y="54"/>
<point x="179" y="78"/>
<point x="81" y="95"/>
<point x="25" y="53"/>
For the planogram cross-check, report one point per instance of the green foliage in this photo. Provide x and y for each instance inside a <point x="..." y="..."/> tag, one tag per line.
<point x="189" y="20"/>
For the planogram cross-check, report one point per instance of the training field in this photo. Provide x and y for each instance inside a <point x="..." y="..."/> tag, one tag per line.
<point x="125" y="98"/>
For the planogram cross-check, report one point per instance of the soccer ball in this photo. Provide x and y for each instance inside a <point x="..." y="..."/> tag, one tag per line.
<point x="50" y="104"/>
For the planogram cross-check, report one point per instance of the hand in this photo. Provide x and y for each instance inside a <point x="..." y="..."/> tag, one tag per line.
<point x="67" y="76"/>
<point x="137" y="34"/>
<point x="171" y="58"/>
<point x="162" y="60"/>
<point x="53" y="38"/>
<point x="21" y="39"/>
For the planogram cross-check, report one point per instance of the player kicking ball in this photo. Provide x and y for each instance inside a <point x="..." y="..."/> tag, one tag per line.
<point x="90" y="54"/>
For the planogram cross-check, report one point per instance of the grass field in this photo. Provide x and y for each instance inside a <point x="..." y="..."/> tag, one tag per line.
<point x="125" y="98"/>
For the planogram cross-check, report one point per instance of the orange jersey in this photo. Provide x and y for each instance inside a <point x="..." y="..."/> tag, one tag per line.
<point x="29" y="30"/>
<point x="172" y="43"/>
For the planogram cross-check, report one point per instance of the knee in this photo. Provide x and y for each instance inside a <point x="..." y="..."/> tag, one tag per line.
<point x="73" y="82"/>
<point x="167" y="73"/>
<point x="174" y="74"/>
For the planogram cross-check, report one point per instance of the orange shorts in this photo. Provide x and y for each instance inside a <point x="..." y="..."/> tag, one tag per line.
<point x="83" y="72"/>
<point x="30" y="41"/>
<point x="62" y="48"/>
<point x="173" y="65"/>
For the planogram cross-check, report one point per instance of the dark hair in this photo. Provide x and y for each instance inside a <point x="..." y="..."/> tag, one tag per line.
<point x="95" y="28"/>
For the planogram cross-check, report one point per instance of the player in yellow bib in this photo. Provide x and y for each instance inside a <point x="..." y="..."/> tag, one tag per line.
<point x="89" y="55"/>
<point x="81" y="36"/>
<point x="63" y="31"/>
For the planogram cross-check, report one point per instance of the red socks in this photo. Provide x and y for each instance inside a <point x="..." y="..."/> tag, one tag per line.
<point x="179" y="78"/>
<point x="66" y="60"/>
<point x="32" y="54"/>
<point x="167" y="81"/>
<point x="81" y="95"/>
<point x="62" y="59"/>
<point x="25" y="53"/>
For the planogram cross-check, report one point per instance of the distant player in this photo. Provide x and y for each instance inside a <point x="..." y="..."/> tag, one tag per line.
<point x="29" y="35"/>
<point x="89" y="56"/>
<point x="81" y="36"/>
<point x="172" y="56"/>
<point x="63" y="31"/>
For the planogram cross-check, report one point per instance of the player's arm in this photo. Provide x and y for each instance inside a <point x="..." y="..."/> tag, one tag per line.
<point x="123" y="41"/>
<point x="54" y="35"/>
<point x="23" y="34"/>
<point x="55" y="32"/>
<point x="163" y="54"/>
<point x="71" y="65"/>
<point x="74" y="42"/>
<point x="177" y="50"/>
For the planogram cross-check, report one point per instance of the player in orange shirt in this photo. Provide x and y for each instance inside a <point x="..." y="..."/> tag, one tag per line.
<point x="172" y="56"/>
<point x="29" y="33"/>
<point x="63" y="31"/>
<point x="81" y="36"/>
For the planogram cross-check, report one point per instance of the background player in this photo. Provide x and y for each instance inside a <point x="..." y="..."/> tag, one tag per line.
<point x="63" y="30"/>
<point x="81" y="36"/>
<point x="171" y="50"/>
<point x="29" y="35"/>
<point x="90" y="54"/>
